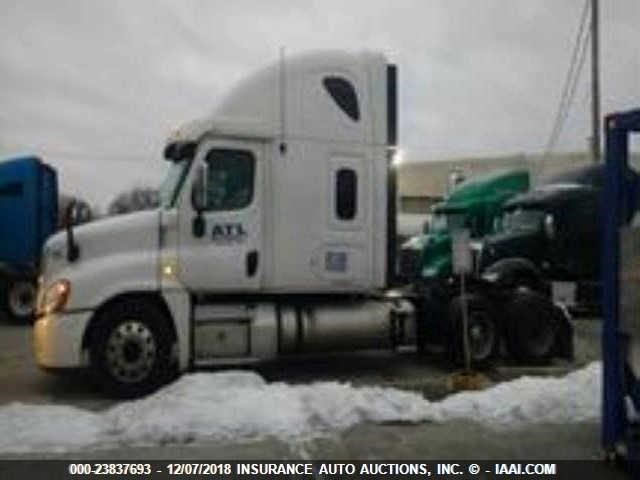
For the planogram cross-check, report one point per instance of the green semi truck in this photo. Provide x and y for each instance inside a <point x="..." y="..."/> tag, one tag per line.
<point x="475" y="204"/>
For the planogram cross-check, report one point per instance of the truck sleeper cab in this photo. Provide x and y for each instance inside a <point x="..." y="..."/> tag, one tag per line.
<point x="28" y="215"/>
<point x="275" y="235"/>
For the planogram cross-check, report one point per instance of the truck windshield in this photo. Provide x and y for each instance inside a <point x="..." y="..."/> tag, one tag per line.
<point x="522" y="220"/>
<point x="442" y="222"/>
<point x="173" y="181"/>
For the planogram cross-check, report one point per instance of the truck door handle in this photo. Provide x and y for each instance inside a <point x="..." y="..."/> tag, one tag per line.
<point x="252" y="263"/>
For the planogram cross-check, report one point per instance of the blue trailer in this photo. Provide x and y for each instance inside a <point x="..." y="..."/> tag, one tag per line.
<point x="28" y="215"/>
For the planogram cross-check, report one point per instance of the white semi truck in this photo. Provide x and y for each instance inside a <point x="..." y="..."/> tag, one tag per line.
<point x="275" y="236"/>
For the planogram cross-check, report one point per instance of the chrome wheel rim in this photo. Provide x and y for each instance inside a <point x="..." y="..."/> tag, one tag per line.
<point x="130" y="351"/>
<point x="481" y="337"/>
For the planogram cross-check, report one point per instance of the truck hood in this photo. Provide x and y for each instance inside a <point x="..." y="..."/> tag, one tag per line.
<point x="123" y="235"/>
<point x="427" y="255"/>
<point x="520" y="244"/>
<point x="436" y="255"/>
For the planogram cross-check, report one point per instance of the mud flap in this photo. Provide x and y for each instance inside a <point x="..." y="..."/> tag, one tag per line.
<point x="564" y="336"/>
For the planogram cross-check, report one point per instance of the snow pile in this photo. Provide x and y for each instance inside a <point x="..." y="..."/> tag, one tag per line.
<point x="25" y="428"/>
<point x="570" y="399"/>
<point x="241" y="406"/>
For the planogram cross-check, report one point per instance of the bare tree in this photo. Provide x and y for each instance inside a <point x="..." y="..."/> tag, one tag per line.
<point x="82" y="213"/>
<point x="139" y="198"/>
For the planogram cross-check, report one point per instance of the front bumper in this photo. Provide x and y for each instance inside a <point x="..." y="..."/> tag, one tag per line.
<point x="57" y="340"/>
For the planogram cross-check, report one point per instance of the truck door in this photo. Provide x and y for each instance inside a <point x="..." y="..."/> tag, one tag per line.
<point x="220" y="248"/>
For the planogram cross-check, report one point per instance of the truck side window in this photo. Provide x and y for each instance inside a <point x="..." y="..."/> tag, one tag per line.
<point x="12" y="189"/>
<point x="230" y="179"/>
<point x="346" y="194"/>
<point x="343" y="93"/>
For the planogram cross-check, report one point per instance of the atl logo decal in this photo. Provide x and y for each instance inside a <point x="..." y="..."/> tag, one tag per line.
<point x="228" y="232"/>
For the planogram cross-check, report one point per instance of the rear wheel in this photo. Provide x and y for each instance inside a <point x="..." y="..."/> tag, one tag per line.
<point x="131" y="348"/>
<point x="482" y="330"/>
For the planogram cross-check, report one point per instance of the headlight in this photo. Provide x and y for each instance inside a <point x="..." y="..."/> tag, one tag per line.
<point x="491" y="277"/>
<point x="54" y="297"/>
<point x="430" y="272"/>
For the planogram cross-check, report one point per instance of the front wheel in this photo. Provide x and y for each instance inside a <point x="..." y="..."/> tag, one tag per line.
<point x="131" y="348"/>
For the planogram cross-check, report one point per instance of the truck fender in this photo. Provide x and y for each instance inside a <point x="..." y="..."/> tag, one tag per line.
<point x="512" y="273"/>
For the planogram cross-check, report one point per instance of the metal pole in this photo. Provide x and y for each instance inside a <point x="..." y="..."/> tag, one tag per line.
<point x="595" y="84"/>
<point x="613" y="413"/>
<point x="465" y="325"/>
<point x="283" y="103"/>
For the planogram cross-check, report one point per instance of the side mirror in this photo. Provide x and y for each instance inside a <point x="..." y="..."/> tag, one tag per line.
<point x="199" y="200"/>
<point x="199" y="189"/>
<point x="70" y="214"/>
<point x="549" y="226"/>
<point x="73" y="251"/>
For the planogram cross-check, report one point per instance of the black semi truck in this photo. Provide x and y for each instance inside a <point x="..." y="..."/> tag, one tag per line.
<point x="550" y="238"/>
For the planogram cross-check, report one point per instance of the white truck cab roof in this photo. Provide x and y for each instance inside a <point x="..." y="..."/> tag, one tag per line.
<point x="287" y="98"/>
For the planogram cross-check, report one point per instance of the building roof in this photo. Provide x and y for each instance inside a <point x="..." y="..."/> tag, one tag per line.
<point x="431" y="178"/>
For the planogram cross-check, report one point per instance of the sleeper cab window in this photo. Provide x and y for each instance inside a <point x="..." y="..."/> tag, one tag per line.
<point x="344" y="94"/>
<point x="346" y="194"/>
<point x="230" y="179"/>
<point x="11" y="189"/>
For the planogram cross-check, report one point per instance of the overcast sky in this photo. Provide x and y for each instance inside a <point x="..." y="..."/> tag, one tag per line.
<point x="95" y="86"/>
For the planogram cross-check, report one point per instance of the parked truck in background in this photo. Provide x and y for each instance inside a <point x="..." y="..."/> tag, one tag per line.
<point x="474" y="204"/>
<point x="28" y="215"/>
<point x="275" y="236"/>
<point x="550" y="238"/>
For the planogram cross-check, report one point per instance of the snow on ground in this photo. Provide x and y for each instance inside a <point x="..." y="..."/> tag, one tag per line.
<point x="242" y="406"/>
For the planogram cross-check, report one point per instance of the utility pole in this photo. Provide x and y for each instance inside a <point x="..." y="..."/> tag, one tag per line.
<point x="595" y="84"/>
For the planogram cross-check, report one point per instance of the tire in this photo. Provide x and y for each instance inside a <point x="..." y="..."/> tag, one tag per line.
<point x="483" y="330"/>
<point x="19" y="299"/>
<point x="130" y="348"/>
<point x="531" y="324"/>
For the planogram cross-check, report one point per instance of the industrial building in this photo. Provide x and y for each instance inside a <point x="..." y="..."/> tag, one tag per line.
<point x="421" y="184"/>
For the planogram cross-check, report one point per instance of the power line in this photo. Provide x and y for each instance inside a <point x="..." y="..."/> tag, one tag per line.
<point x="595" y="82"/>
<point x="573" y="74"/>
<point x="570" y="95"/>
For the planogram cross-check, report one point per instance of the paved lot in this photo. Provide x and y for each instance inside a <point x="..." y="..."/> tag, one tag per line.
<point x="23" y="382"/>
<point x="429" y="375"/>
<point x="404" y="369"/>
